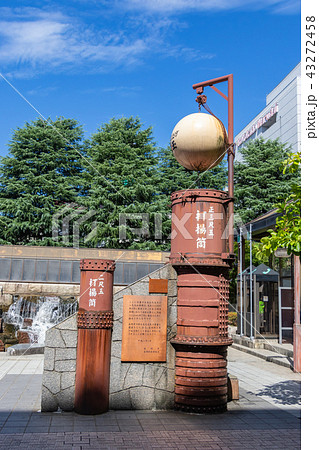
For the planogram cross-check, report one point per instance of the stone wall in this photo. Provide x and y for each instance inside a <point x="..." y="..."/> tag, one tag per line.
<point x="132" y="385"/>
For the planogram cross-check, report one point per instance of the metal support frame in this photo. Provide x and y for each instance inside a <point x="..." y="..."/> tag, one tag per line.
<point x="245" y="305"/>
<point x="241" y="279"/>
<point x="280" y="308"/>
<point x="251" y="281"/>
<point x="258" y="314"/>
<point x="230" y="99"/>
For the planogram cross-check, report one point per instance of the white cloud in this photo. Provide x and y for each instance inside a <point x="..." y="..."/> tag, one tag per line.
<point x="35" y="41"/>
<point x="289" y="7"/>
<point x="43" y="41"/>
<point x="184" y="6"/>
<point x="40" y="40"/>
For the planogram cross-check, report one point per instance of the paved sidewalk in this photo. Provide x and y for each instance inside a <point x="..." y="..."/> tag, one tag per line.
<point x="273" y="383"/>
<point x="20" y="383"/>
<point x="266" y="416"/>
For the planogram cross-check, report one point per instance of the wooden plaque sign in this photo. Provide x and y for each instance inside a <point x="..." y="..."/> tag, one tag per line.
<point x="158" y="286"/>
<point x="144" y="328"/>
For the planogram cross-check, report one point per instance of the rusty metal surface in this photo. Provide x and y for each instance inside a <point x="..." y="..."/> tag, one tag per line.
<point x="96" y="285"/>
<point x="199" y="219"/>
<point x="95" y="320"/>
<point x="92" y="371"/>
<point x="197" y="374"/>
<point x="201" y="379"/>
<point x="200" y="255"/>
<point x="144" y="334"/>
<point x="158" y="286"/>
<point x="200" y="382"/>
<point x="201" y="99"/>
<point x="211" y="82"/>
<point x="201" y="340"/>
<point x="202" y="313"/>
<point x="103" y="265"/>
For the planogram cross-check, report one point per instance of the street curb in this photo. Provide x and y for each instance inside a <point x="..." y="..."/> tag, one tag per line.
<point x="261" y="344"/>
<point x="281" y="360"/>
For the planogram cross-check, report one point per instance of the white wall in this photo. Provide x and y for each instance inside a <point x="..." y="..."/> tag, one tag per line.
<point x="287" y="123"/>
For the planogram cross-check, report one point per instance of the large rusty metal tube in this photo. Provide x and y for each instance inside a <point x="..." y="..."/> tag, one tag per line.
<point x="201" y="379"/>
<point x="200" y="254"/>
<point x="95" y="323"/>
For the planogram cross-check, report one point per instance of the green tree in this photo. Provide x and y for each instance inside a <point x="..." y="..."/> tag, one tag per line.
<point x="259" y="180"/>
<point x="287" y="233"/>
<point x="40" y="175"/>
<point x="122" y="182"/>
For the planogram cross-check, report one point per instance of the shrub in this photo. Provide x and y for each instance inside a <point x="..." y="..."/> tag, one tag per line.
<point x="232" y="318"/>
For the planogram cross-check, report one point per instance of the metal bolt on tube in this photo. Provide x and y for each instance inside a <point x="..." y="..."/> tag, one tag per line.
<point x="95" y="323"/>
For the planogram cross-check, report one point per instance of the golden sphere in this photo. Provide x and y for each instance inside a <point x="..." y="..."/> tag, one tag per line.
<point x="198" y="142"/>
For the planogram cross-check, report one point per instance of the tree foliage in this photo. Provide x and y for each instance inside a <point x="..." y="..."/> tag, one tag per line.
<point x="287" y="233"/>
<point x="122" y="179"/>
<point x="259" y="179"/>
<point x="40" y="174"/>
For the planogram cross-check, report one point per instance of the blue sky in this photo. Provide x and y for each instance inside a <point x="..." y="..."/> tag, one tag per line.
<point x="94" y="60"/>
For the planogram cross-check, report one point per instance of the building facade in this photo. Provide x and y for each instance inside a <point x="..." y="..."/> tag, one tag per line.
<point x="281" y="117"/>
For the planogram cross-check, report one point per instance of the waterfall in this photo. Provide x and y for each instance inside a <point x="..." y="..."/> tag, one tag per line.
<point x="35" y="318"/>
